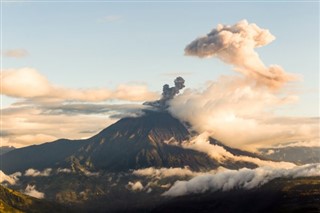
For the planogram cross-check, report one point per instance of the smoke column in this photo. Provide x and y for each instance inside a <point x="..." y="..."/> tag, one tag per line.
<point x="167" y="94"/>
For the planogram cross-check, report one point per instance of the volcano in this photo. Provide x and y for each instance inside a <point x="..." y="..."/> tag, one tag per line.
<point x="130" y="143"/>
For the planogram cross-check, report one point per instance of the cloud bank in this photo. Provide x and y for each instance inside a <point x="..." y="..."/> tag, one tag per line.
<point x="44" y="112"/>
<point x="238" y="179"/>
<point x="29" y="83"/>
<point x="202" y="144"/>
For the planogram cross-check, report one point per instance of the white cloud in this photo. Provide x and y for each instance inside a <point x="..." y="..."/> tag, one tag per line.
<point x="202" y="144"/>
<point x="240" y="111"/>
<point x="10" y="179"/>
<point x="164" y="172"/>
<point x="34" y="173"/>
<point x="31" y="191"/>
<point x="235" y="179"/>
<point x="241" y="114"/>
<point x="63" y="170"/>
<point x="136" y="186"/>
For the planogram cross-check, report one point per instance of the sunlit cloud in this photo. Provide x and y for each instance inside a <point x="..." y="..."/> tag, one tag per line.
<point x="29" y="125"/>
<point x="35" y="173"/>
<point x="31" y="191"/>
<point x="239" y="179"/>
<point x="241" y="111"/>
<point x="45" y="112"/>
<point x="29" y="83"/>
<point x="15" y="53"/>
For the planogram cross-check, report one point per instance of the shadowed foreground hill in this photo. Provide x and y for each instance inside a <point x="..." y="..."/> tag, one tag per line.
<point x="14" y="202"/>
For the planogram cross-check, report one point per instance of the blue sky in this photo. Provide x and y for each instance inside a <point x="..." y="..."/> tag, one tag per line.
<point x="104" y="44"/>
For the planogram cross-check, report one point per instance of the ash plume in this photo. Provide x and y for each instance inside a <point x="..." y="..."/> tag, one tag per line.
<point x="168" y="93"/>
<point x="241" y="111"/>
<point x="236" y="45"/>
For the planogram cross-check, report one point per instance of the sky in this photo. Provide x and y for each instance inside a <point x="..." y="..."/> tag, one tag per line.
<point x="69" y="69"/>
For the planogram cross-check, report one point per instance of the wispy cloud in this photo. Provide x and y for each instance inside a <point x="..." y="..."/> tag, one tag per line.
<point x="29" y="83"/>
<point x="32" y="124"/>
<point x="44" y="111"/>
<point x="15" y="53"/>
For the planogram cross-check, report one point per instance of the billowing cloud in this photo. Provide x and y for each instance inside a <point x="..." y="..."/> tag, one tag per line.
<point x="34" y="173"/>
<point x="241" y="114"/>
<point x="31" y="191"/>
<point x="235" y="45"/>
<point x="202" y="144"/>
<point x="241" y="111"/>
<point x="10" y="179"/>
<point x="45" y="112"/>
<point x="239" y="179"/>
<point x="15" y="53"/>
<point x="136" y="186"/>
<point x="34" y="124"/>
<point x="29" y="83"/>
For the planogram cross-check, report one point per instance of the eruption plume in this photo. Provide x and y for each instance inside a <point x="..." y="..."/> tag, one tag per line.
<point x="167" y="94"/>
<point x="235" y="45"/>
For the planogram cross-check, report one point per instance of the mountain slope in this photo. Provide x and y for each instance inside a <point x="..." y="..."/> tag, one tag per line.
<point x="39" y="156"/>
<point x="15" y="202"/>
<point x="133" y="143"/>
<point x="130" y="143"/>
<point x="5" y="149"/>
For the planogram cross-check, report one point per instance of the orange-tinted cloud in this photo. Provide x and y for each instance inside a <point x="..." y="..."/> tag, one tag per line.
<point x="29" y="83"/>
<point x="16" y="53"/>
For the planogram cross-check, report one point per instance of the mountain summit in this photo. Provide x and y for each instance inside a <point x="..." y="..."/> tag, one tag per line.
<point x="130" y="143"/>
<point x="140" y="142"/>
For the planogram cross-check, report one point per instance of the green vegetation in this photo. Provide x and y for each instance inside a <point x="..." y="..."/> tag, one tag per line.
<point x="15" y="202"/>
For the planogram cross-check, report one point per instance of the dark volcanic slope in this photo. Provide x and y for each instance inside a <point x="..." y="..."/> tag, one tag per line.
<point x="133" y="143"/>
<point x="39" y="156"/>
<point x="5" y="149"/>
<point x="130" y="143"/>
